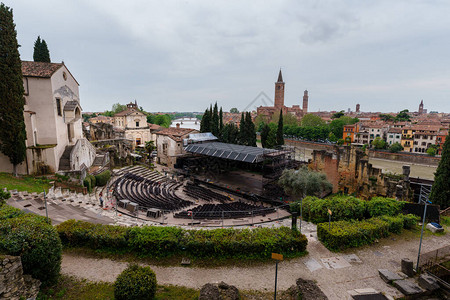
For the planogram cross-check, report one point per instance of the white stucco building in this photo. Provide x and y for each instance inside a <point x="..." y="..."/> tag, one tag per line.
<point x="169" y="143"/>
<point x="52" y="114"/>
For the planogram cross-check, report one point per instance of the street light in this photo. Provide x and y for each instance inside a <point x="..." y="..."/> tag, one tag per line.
<point x="421" y="234"/>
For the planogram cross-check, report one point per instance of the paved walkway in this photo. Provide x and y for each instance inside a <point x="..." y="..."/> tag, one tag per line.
<point x="335" y="273"/>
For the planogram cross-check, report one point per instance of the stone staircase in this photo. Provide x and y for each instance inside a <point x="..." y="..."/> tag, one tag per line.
<point x="64" y="161"/>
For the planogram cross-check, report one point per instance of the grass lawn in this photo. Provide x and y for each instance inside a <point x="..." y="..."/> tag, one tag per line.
<point x="72" y="288"/>
<point x="24" y="183"/>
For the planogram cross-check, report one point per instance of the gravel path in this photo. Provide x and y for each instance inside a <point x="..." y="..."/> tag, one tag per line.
<point x="334" y="282"/>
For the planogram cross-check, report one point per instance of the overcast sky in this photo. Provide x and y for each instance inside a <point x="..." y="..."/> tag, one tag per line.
<point x="183" y="55"/>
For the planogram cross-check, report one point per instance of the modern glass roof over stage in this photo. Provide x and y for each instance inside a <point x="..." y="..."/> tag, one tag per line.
<point x="230" y="151"/>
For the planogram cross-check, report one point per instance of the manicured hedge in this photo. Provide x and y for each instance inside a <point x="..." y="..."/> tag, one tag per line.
<point x="348" y="234"/>
<point x="34" y="240"/>
<point x="346" y="208"/>
<point x="167" y="241"/>
<point x="102" y="178"/>
<point x="89" y="182"/>
<point x="379" y="206"/>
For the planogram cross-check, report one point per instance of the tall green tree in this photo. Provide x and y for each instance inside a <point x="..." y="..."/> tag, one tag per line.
<point x="265" y="135"/>
<point x="440" y="191"/>
<point x="12" y="125"/>
<point x="403" y="116"/>
<point x="280" y="137"/>
<point x="215" y="121"/>
<point x="251" y="131"/>
<point x="205" y="123"/>
<point x="220" y="121"/>
<point x="41" y="52"/>
<point x="304" y="182"/>
<point x="312" y="120"/>
<point x="242" y="131"/>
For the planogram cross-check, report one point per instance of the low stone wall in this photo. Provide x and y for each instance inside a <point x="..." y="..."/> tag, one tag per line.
<point x="13" y="284"/>
<point x="406" y="157"/>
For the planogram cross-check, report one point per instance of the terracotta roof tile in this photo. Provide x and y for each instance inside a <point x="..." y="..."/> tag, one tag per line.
<point x="39" y="69"/>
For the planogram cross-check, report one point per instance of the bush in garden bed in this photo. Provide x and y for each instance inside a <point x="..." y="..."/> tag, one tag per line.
<point x="152" y="241"/>
<point x="343" y="208"/>
<point x="34" y="240"/>
<point x="349" y="234"/>
<point x="379" y="206"/>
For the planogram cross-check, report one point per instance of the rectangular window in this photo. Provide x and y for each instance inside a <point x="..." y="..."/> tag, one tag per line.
<point x="137" y="124"/>
<point x="58" y="106"/>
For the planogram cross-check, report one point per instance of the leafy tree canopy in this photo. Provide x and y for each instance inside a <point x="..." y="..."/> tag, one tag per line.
<point x="396" y="147"/>
<point x="338" y="115"/>
<point x="403" y="116"/>
<point x="304" y="182"/>
<point x="312" y="120"/>
<point x="379" y="143"/>
<point x="234" y="110"/>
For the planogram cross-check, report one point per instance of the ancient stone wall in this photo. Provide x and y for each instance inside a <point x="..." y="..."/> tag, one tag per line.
<point x="13" y="284"/>
<point x="349" y="170"/>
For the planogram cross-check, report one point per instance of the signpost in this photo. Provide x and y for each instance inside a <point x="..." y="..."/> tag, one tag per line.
<point x="329" y="219"/>
<point x="277" y="257"/>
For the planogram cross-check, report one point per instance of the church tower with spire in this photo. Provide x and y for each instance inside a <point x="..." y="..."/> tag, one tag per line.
<point x="421" y="107"/>
<point x="279" y="92"/>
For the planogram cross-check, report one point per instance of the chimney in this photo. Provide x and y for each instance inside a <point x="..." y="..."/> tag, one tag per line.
<point x="178" y="125"/>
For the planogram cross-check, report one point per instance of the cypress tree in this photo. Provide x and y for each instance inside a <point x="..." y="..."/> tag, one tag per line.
<point x="242" y="137"/>
<point x="220" y="120"/>
<point x="12" y="125"/>
<point x="440" y="191"/>
<point x="264" y="135"/>
<point x="280" y="137"/>
<point x="205" y="122"/>
<point x="37" y="49"/>
<point x="41" y="52"/>
<point x="215" y="121"/>
<point x="45" y="54"/>
<point x="251" y="131"/>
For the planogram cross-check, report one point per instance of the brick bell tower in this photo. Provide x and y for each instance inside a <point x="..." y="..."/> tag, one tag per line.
<point x="279" y="93"/>
<point x="305" y="102"/>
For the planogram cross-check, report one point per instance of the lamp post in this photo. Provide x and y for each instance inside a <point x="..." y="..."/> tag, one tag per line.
<point x="421" y="233"/>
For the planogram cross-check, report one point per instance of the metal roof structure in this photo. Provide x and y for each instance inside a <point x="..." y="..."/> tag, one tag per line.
<point x="230" y="151"/>
<point x="201" y="137"/>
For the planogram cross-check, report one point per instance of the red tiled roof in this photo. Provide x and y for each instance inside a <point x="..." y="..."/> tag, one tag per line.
<point x="39" y="69"/>
<point x="175" y="133"/>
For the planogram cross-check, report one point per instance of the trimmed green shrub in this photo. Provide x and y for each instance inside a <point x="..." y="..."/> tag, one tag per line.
<point x="410" y="221"/>
<point x="379" y="206"/>
<point x="135" y="283"/>
<point x="96" y="236"/>
<point x="349" y="234"/>
<point x="342" y="207"/>
<point x="4" y="196"/>
<point x="395" y="223"/>
<point x="7" y="212"/>
<point x="167" y="241"/>
<point x="87" y="184"/>
<point x="159" y="241"/>
<point x="34" y="240"/>
<point x="102" y="178"/>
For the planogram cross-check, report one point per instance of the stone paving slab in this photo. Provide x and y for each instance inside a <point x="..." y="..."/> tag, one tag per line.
<point x="312" y="264"/>
<point x="388" y="276"/>
<point x="352" y="258"/>
<point x="337" y="262"/>
<point x="407" y="287"/>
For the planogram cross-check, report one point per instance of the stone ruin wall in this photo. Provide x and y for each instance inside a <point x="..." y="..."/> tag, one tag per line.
<point x="349" y="171"/>
<point x="13" y="284"/>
